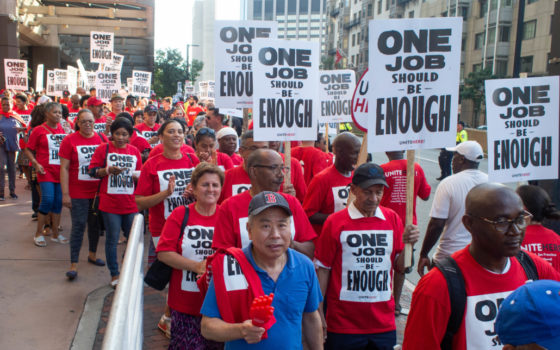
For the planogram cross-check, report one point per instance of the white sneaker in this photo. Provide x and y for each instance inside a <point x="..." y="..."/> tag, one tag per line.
<point x="164" y="325"/>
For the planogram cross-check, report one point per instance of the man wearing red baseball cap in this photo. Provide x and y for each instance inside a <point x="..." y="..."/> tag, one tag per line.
<point x="95" y="105"/>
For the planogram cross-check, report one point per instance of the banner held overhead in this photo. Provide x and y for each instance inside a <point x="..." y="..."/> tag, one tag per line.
<point x="101" y="47"/>
<point x="15" y="72"/>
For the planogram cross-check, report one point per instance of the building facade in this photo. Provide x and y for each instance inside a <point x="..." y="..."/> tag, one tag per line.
<point x="203" y="17"/>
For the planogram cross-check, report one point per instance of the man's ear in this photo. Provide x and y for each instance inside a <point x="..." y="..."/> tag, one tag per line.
<point x="467" y="222"/>
<point x="248" y="226"/>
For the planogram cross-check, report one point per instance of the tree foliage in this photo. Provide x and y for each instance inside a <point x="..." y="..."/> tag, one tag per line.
<point x="327" y="62"/>
<point x="195" y="69"/>
<point x="473" y="89"/>
<point x="169" y="68"/>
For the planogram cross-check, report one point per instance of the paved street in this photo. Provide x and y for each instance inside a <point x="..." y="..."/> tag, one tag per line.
<point x="41" y="309"/>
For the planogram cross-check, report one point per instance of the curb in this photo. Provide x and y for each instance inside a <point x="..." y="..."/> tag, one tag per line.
<point x="84" y="338"/>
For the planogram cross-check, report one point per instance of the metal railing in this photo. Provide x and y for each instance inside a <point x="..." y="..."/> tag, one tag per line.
<point x="124" y="329"/>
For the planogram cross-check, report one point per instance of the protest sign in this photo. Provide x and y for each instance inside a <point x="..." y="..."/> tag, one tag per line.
<point x="39" y="78"/>
<point x="101" y="47"/>
<point x="232" y="112"/>
<point x="141" y="83"/>
<point x="107" y="84"/>
<point x="522" y="117"/>
<point x="60" y="81"/>
<point x="286" y="96"/>
<point x="115" y="65"/>
<point x="414" y="100"/>
<point x="336" y="89"/>
<point x="72" y="74"/>
<point x="129" y="84"/>
<point x="50" y="82"/>
<point x="360" y="113"/>
<point x="233" y="63"/>
<point x="90" y="80"/>
<point x="15" y="73"/>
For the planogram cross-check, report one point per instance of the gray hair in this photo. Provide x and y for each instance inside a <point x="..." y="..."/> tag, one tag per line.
<point x="198" y="121"/>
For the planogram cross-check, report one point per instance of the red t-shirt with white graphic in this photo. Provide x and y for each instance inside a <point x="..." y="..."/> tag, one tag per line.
<point x="360" y="254"/>
<point x="139" y="142"/>
<point x="72" y="114"/>
<point x="147" y="132"/>
<point x="116" y="193"/>
<point x="100" y="124"/>
<point x="158" y="149"/>
<point x="45" y="142"/>
<point x="184" y="295"/>
<point x="314" y="161"/>
<point x="394" y="196"/>
<point x="327" y="193"/>
<point x="79" y="150"/>
<point x="231" y="225"/>
<point x="543" y="242"/>
<point x="430" y="308"/>
<point x="192" y="112"/>
<point x="24" y="114"/>
<point x="154" y="178"/>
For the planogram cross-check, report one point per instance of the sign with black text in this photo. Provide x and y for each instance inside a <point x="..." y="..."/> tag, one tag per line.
<point x="414" y="101"/>
<point x="336" y="89"/>
<point x="15" y="73"/>
<point x="107" y="84"/>
<point x="286" y="96"/>
<point x="233" y="52"/>
<point x="72" y="77"/>
<point x="50" y="82"/>
<point x="101" y="46"/>
<point x="141" y="83"/>
<point x="60" y="81"/>
<point x="115" y="65"/>
<point x="522" y="117"/>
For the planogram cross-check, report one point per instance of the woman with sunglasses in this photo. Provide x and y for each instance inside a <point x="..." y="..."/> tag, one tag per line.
<point x="161" y="187"/>
<point x="205" y="145"/>
<point x="79" y="188"/>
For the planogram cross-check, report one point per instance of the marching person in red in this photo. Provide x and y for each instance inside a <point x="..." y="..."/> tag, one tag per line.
<point x="22" y="108"/>
<point x="186" y="252"/>
<point x="148" y="129"/>
<point x="193" y="110"/>
<point x="117" y="106"/>
<point x="205" y="144"/>
<point x="491" y="270"/>
<point x="45" y="142"/>
<point x="227" y="139"/>
<point x="266" y="173"/>
<point x="95" y="105"/>
<point x="538" y="239"/>
<point x="79" y="188"/>
<point x="73" y="108"/>
<point x="356" y="254"/>
<point x="394" y="197"/>
<point x="328" y="191"/>
<point x="313" y="160"/>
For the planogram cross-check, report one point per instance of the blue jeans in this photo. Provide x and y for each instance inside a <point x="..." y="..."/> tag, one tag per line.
<point x="82" y="213"/>
<point x="51" y="198"/>
<point x="113" y="225"/>
<point x="376" y="341"/>
<point x="7" y="159"/>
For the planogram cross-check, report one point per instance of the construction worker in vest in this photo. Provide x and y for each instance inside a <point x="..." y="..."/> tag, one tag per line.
<point x="461" y="133"/>
<point x="345" y="127"/>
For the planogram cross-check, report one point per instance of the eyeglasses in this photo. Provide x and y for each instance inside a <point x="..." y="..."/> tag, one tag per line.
<point x="274" y="168"/>
<point x="503" y="225"/>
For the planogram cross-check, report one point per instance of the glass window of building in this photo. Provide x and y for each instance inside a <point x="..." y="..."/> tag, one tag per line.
<point x="478" y="41"/>
<point x="257" y="10"/>
<point x="527" y="64"/>
<point x="529" y="29"/>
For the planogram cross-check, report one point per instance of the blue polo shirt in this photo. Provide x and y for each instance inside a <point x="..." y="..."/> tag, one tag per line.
<point x="296" y="291"/>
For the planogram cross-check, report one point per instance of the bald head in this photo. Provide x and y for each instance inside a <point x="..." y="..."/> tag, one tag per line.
<point x="346" y="138"/>
<point x="260" y="155"/>
<point x="487" y="197"/>
<point x="346" y="148"/>
<point x="265" y="169"/>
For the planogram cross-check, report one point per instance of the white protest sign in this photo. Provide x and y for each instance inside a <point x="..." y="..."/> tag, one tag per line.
<point x="233" y="60"/>
<point x="83" y="82"/>
<point x="60" y="81"/>
<point x="286" y="96"/>
<point x="141" y="83"/>
<point x="39" y="78"/>
<point x="414" y="101"/>
<point x="333" y="127"/>
<point x="91" y="76"/>
<point x="360" y="113"/>
<point x="129" y="84"/>
<point x="50" y="82"/>
<point x="232" y="112"/>
<point x="15" y="73"/>
<point x="72" y="79"/>
<point x="336" y="89"/>
<point x="101" y="47"/>
<point x="522" y="117"/>
<point x="107" y="84"/>
<point x="115" y="65"/>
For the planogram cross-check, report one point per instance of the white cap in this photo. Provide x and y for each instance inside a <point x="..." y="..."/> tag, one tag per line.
<point x="471" y="150"/>
<point x="225" y="132"/>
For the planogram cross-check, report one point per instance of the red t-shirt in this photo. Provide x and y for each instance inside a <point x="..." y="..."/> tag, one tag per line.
<point x="314" y="161"/>
<point x="224" y="161"/>
<point x="112" y="115"/>
<point x="116" y="193"/>
<point x="192" y="112"/>
<point x="298" y="181"/>
<point x="148" y="132"/>
<point x="24" y="114"/>
<point x="158" y="149"/>
<point x="72" y="113"/>
<point x="45" y="142"/>
<point x="184" y="295"/>
<point x="79" y="151"/>
<point x="543" y="242"/>
<point x="231" y="225"/>
<point x="360" y="254"/>
<point x="236" y="158"/>
<point x="154" y="178"/>
<point x="100" y="124"/>
<point x="139" y="142"/>
<point x="430" y="308"/>
<point x="327" y="193"/>
<point x="394" y="196"/>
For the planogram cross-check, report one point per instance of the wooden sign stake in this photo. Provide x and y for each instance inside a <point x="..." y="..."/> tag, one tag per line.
<point x="362" y="158"/>
<point x="409" y="203"/>
<point x="287" y="161"/>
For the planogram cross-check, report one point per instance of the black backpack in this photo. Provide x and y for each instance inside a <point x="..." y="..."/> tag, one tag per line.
<point x="458" y="294"/>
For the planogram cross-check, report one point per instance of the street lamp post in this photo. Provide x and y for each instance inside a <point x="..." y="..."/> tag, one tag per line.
<point x="188" y="61"/>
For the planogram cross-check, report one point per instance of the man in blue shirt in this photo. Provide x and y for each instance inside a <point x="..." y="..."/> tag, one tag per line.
<point x="285" y="272"/>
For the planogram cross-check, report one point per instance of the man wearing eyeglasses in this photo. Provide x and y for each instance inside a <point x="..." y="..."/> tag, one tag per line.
<point x="266" y="173"/>
<point x="448" y="206"/>
<point x="496" y="220"/>
<point x="214" y="119"/>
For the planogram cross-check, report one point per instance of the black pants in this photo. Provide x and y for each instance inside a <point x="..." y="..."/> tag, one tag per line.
<point x="444" y="159"/>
